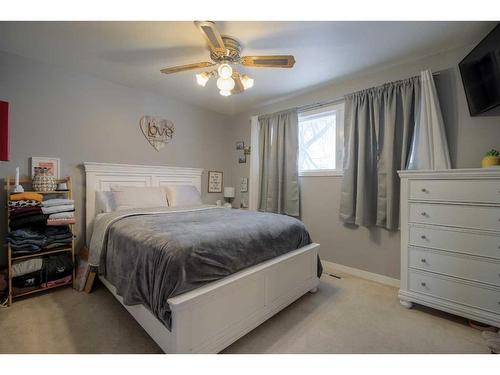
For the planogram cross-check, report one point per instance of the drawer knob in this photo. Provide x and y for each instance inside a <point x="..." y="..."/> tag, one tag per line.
<point x="423" y="260"/>
<point x="424" y="190"/>
<point x="423" y="284"/>
<point x="425" y="214"/>
<point x="423" y="237"/>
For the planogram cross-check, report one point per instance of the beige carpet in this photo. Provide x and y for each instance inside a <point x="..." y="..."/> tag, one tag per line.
<point x="350" y="315"/>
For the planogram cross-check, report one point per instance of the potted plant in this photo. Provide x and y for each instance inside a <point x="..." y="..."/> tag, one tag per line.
<point x="491" y="159"/>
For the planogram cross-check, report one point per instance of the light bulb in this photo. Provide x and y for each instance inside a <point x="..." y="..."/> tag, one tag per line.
<point x="247" y="82"/>
<point x="225" y="92"/>
<point x="226" y="84"/>
<point x="202" y="78"/>
<point x="225" y="71"/>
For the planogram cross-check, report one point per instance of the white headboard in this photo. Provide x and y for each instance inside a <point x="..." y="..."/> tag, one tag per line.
<point x="100" y="176"/>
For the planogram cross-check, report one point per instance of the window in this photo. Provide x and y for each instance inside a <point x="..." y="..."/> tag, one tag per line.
<point x="321" y="134"/>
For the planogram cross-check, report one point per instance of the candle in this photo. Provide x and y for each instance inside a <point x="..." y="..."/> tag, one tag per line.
<point x="17" y="176"/>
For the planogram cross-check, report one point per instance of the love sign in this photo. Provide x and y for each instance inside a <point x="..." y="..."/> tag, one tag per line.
<point x="157" y="131"/>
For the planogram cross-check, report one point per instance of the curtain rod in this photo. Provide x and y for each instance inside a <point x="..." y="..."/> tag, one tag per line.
<point x="332" y="101"/>
<point x="320" y="104"/>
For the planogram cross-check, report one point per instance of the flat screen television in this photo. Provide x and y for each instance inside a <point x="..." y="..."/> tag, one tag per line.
<point x="480" y="71"/>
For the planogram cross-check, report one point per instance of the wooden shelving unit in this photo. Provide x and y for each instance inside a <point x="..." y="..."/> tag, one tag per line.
<point x="27" y="185"/>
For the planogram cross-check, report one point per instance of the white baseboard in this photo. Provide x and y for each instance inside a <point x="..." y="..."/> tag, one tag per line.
<point x="331" y="267"/>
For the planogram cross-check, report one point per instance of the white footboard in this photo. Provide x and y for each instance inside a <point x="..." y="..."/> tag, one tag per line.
<point x="210" y="318"/>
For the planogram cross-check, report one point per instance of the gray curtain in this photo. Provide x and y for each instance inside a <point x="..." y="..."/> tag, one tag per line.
<point x="378" y="128"/>
<point x="278" y="169"/>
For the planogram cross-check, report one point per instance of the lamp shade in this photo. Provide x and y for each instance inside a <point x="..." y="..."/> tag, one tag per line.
<point x="225" y="84"/>
<point x="229" y="192"/>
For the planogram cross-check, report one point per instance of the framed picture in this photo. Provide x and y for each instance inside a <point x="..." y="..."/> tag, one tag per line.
<point x="240" y="145"/>
<point x="242" y="159"/>
<point x="52" y="164"/>
<point x="215" y="181"/>
<point x="4" y="131"/>
<point x="244" y="185"/>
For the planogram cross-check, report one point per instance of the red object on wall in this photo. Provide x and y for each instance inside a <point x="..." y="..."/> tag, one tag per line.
<point x="4" y="131"/>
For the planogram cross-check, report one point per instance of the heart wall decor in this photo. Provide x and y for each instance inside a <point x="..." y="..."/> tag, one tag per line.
<point x="157" y="131"/>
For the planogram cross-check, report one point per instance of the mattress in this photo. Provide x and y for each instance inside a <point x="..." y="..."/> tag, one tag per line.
<point x="151" y="255"/>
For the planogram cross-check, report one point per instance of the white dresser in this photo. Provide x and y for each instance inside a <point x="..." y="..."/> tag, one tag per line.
<point x="450" y="241"/>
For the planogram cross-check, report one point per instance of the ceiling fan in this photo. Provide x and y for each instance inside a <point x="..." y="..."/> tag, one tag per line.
<point x="224" y="52"/>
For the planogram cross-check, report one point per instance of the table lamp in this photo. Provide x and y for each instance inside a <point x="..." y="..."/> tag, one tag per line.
<point x="228" y="196"/>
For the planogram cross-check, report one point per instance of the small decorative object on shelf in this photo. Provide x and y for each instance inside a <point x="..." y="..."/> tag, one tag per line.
<point x="62" y="186"/>
<point x="43" y="181"/>
<point x="18" y="188"/>
<point x="41" y="241"/>
<point x="491" y="159"/>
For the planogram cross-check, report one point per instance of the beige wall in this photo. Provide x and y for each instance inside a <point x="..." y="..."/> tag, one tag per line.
<point x="54" y="112"/>
<point x="376" y="250"/>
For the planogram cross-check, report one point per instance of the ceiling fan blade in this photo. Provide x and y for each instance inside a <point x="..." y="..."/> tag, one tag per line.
<point x="276" y="61"/>
<point x="181" y="68"/>
<point x="238" y="86"/>
<point x="212" y="36"/>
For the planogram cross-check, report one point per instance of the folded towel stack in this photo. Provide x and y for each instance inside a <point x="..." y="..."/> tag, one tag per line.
<point x="26" y="241"/>
<point x="26" y="217"/>
<point x="23" y="203"/>
<point x="24" y="210"/>
<point x="30" y="241"/>
<point x="26" y="196"/>
<point x="58" y="236"/>
<point x="60" y="211"/>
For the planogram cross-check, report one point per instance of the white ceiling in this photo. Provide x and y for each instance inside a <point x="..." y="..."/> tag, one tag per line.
<point x="132" y="53"/>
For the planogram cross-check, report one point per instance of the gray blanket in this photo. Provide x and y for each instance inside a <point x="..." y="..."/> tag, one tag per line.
<point x="150" y="255"/>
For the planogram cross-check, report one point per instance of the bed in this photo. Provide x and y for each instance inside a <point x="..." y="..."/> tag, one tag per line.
<point x="208" y="318"/>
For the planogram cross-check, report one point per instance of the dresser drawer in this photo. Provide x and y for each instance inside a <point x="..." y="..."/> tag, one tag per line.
<point x="465" y="267"/>
<point x="476" y="217"/>
<point x="481" y="244"/>
<point x="485" y="298"/>
<point x="480" y="191"/>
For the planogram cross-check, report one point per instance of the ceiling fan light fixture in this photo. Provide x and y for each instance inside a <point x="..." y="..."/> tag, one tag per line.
<point x="225" y="71"/>
<point x="225" y="56"/>
<point x="202" y="78"/>
<point x="225" y="84"/>
<point x="247" y="82"/>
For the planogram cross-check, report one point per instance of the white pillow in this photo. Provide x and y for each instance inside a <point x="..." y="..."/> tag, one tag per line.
<point x="183" y="195"/>
<point x="138" y="197"/>
<point x="104" y="202"/>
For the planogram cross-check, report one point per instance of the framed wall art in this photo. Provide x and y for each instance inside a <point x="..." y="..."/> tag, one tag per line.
<point x="157" y="131"/>
<point x="215" y="181"/>
<point x="4" y="131"/>
<point x="240" y="145"/>
<point x="244" y="185"/>
<point x="52" y="164"/>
